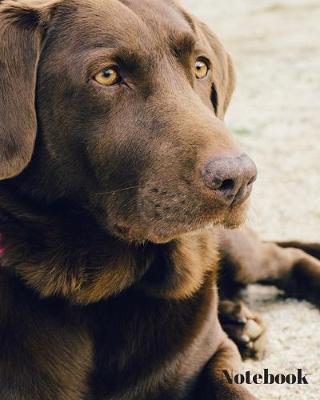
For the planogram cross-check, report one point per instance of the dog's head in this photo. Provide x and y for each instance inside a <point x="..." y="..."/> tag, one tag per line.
<point x="118" y="105"/>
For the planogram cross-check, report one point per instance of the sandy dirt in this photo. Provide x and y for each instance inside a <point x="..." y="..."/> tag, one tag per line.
<point x="275" y="114"/>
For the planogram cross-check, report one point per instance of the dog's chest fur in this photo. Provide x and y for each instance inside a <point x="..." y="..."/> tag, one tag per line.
<point x="117" y="349"/>
<point x="151" y="339"/>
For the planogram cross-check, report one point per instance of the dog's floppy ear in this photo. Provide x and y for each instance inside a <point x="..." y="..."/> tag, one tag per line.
<point x="223" y="71"/>
<point x="22" y="29"/>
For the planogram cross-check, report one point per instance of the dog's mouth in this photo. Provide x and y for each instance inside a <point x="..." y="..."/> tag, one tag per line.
<point x="160" y="210"/>
<point x="170" y="227"/>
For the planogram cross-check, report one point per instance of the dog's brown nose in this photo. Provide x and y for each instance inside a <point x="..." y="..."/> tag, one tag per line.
<point x="231" y="178"/>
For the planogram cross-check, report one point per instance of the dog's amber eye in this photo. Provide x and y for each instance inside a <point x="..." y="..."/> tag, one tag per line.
<point x="108" y="77"/>
<point x="201" y="68"/>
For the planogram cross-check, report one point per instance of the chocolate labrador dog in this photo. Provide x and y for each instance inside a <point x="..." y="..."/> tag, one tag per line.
<point x="116" y="170"/>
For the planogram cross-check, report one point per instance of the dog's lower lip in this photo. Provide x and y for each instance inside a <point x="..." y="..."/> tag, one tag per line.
<point x="219" y="217"/>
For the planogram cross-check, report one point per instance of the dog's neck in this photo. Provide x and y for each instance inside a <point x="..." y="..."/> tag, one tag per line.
<point x="64" y="252"/>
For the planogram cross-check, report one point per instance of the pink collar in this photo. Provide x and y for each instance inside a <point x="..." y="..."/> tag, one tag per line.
<point x="2" y="250"/>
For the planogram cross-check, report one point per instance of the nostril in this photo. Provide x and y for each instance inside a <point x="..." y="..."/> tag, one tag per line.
<point x="227" y="185"/>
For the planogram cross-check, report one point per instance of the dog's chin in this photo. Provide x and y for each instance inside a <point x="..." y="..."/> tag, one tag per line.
<point x="161" y="232"/>
<point x="231" y="221"/>
<point x="235" y="217"/>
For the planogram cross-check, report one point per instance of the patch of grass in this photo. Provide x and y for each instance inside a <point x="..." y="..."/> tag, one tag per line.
<point x="317" y="215"/>
<point x="275" y="7"/>
<point x="242" y="132"/>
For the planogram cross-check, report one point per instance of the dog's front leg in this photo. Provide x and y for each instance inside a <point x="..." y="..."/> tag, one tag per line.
<point x="291" y="266"/>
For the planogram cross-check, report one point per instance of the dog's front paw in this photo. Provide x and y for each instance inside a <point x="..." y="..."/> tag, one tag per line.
<point x="244" y="327"/>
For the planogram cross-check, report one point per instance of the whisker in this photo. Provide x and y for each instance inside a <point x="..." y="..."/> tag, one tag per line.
<point x="118" y="190"/>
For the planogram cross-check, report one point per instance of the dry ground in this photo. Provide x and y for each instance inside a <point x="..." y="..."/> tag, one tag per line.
<point x="275" y="114"/>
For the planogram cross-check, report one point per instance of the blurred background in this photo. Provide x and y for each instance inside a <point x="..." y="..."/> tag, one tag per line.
<point x="275" y="114"/>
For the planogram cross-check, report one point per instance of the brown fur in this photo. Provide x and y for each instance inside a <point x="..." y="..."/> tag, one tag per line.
<point x="292" y="266"/>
